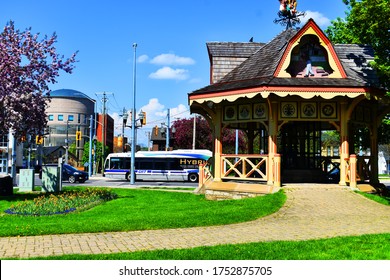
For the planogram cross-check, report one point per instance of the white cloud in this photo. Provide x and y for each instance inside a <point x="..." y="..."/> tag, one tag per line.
<point x="156" y="113"/>
<point x="168" y="73"/>
<point x="180" y="112"/>
<point x="172" y="59"/>
<point x="152" y="107"/>
<point x="143" y="58"/>
<point x="319" y="18"/>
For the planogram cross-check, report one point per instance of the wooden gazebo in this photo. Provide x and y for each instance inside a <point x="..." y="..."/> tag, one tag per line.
<point x="287" y="92"/>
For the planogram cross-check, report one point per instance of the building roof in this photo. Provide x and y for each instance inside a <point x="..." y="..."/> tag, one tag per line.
<point x="260" y="67"/>
<point x="69" y="93"/>
<point x="232" y="49"/>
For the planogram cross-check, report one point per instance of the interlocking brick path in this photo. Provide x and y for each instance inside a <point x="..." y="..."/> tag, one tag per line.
<point x="311" y="212"/>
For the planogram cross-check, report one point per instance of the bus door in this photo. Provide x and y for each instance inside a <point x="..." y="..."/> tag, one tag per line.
<point x="160" y="170"/>
<point x="176" y="171"/>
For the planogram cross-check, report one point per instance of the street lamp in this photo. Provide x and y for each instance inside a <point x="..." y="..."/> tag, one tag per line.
<point x="165" y="129"/>
<point x="132" y="165"/>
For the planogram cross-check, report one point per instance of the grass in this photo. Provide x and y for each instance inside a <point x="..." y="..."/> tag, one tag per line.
<point x="146" y="209"/>
<point x="380" y="199"/>
<point x="136" y="209"/>
<point x="365" y="247"/>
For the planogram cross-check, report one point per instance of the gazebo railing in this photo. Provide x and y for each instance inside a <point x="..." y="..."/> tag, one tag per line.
<point x="330" y="165"/>
<point x="204" y="174"/>
<point x="364" y="168"/>
<point x="247" y="167"/>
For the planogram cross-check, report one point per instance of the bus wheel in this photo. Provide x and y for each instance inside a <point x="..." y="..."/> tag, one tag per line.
<point x="128" y="177"/>
<point x="193" y="177"/>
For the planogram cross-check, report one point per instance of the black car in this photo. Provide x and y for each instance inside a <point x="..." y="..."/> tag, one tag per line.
<point x="70" y="174"/>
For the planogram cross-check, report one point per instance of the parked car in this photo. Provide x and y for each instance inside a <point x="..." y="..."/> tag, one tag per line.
<point x="334" y="176"/>
<point x="70" y="174"/>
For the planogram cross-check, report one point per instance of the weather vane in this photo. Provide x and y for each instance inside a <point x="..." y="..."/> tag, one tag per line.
<point x="288" y="14"/>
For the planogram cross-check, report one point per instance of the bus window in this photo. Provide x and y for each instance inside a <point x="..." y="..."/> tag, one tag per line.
<point x="116" y="163"/>
<point x="144" y="164"/>
<point x="174" y="164"/>
<point x="160" y="165"/>
<point x="126" y="162"/>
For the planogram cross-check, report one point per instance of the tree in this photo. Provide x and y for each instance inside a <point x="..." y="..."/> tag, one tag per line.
<point x="97" y="152"/>
<point x="184" y="136"/>
<point x="27" y="66"/>
<point x="229" y="141"/>
<point x="367" y="22"/>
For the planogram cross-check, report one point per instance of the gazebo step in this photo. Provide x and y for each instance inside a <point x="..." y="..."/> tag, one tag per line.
<point x="236" y="190"/>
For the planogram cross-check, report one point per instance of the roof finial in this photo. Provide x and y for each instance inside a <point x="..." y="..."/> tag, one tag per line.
<point x="288" y="13"/>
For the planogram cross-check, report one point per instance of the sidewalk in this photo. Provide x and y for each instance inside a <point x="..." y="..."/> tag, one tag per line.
<point x="311" y="212"/>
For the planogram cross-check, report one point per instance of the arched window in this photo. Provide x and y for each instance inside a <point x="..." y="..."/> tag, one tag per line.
<point x="309" y="58"/>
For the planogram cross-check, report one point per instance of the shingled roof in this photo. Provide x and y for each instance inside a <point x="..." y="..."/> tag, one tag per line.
<point x="260" y="67"/>
<point x="233" y="49"/>
<point x="355" y="60"/>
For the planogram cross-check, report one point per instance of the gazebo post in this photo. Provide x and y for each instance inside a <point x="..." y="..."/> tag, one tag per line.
<point x="218" y="145"/>
<point x="344" y="144"/>
<point x="272" y="142"/>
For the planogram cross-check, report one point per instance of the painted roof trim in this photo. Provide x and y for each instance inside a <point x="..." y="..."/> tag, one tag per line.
<point x="265" y="91"/>
<point x="309" y="27"/>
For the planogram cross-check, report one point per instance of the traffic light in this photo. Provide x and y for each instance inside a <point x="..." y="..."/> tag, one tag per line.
<point x="144" y="118"/>
<point x="78" y="135"/>
<point x="39" y="139"/>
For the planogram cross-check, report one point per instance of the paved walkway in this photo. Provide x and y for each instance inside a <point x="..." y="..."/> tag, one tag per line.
<point x="311" y="212"/>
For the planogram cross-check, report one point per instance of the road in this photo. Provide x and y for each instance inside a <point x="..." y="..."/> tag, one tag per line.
<point x="99" y="181"/>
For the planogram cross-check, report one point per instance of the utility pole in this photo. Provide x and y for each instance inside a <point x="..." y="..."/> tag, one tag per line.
<point x="67" y="142"/>
<point x="168" y="128"/>
<point x="90" y="147"/>
<point x="124" y="116"/>
<point x="193" y="133"/>
<point x="104" y="100"/>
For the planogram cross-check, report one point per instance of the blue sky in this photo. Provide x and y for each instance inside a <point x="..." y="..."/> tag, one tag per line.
<point x="171" y="36"/>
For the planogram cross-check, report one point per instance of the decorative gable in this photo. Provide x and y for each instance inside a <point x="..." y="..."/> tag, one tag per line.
<point x="310" y="54"/>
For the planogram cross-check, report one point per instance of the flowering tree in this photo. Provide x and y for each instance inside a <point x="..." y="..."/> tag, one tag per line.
<point x="27" y="66"/>
<point x="204" y="138"/>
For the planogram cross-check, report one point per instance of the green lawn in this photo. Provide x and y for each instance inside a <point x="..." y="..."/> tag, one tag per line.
<point x="365" y="247"/>
<point x="136" y="209"/>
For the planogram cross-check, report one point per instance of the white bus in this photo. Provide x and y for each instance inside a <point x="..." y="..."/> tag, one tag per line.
<point x="177" y="165"/>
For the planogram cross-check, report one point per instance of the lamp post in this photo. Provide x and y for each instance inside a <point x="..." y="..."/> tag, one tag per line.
<point x="132" y="170"/>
